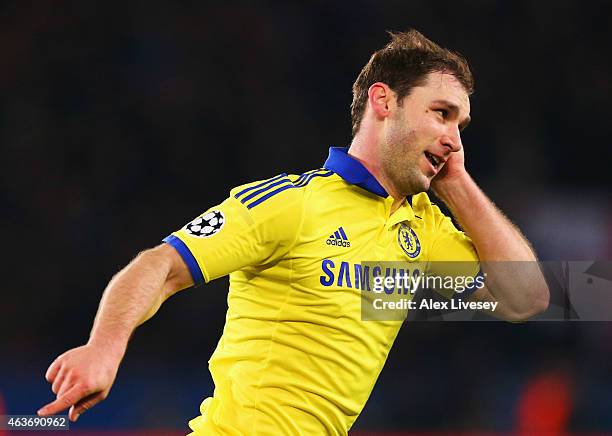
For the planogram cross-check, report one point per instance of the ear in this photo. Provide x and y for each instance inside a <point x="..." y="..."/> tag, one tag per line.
<point x="381" y="99"/>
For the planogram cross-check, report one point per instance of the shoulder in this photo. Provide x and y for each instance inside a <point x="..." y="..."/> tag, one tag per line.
<point x="279" y="191"/>
<point x="425" y="208"/>
<point x="283" y="196"/>
<point x="421" y="204"/>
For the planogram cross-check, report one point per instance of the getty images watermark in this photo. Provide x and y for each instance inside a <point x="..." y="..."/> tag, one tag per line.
<point x="390" y="290"/>
<point x="403" y="281"/>
<point x="444" y="291"/>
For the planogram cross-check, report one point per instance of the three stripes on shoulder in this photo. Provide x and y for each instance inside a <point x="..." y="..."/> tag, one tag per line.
<point x="257" y="194"/>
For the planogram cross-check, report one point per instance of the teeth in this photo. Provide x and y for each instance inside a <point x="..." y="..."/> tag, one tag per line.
<point x="432" y="159"/>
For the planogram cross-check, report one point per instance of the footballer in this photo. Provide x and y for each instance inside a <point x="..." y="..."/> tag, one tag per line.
<point x="296" y="357"/>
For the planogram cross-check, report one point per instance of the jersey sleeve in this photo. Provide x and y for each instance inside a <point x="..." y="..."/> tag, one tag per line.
<point x="257" y="224"/>
<point x="454" y="257"/>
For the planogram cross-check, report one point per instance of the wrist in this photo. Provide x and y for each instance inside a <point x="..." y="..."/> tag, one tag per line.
<point x="452" y="191"/>
<point x="114" y="346"/>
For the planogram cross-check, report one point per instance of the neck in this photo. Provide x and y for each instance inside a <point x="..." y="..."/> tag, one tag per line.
<point x="362" y="150"/>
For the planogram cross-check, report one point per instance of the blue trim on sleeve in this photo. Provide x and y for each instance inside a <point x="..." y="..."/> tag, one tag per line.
<point x="353" y="171"/>
<point x="192" y="264"/>
<point x="469" y="290"/>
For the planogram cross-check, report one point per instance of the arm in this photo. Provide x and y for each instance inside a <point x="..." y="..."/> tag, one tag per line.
<point x="83" y="376"/>
<point x="496" y="240"/>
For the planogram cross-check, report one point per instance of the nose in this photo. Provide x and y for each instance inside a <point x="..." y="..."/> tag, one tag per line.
<point x="452" y="139"/>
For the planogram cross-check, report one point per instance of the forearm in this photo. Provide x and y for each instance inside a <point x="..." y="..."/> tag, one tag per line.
<point x="132" y="296"/>
<point x="513" y="277"/>
<point x="83" y="376"/>
<point x="494" y="236"/>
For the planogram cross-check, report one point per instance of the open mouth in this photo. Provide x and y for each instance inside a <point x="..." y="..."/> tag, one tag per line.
<point x="435" y="161"/>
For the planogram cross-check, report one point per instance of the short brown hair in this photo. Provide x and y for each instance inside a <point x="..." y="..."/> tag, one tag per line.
<point x="403" y="64"/>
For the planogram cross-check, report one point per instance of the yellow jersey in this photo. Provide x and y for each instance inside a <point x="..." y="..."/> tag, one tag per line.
<point x="295" y="356"/>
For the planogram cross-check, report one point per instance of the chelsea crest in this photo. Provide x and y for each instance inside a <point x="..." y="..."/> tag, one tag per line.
<point x="408" y="240"/>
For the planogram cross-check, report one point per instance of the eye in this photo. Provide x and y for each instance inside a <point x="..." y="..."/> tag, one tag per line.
<point x="443" y="113"/>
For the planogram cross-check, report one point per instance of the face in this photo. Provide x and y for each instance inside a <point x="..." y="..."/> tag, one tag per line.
<point x="421" y="134"/>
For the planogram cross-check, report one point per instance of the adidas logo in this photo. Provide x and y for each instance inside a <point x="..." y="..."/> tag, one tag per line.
<point x="338" y="238"/>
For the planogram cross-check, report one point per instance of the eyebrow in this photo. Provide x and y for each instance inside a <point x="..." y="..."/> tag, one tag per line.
<point x="454" y="108"/>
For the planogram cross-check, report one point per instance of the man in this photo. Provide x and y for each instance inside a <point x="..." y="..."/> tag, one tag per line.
<point x="295" y="356"/>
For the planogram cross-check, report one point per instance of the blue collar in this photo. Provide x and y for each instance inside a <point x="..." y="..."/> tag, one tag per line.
<point x="353" y="171"/>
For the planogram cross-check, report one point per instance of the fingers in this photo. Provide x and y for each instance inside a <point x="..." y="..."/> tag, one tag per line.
<point x="65" y="388"/>
<point x="80" y="380"/>
<point x="69" y="398"/>
<point x="85" y="404"/>
<point x="64" y="380"/>
<point x="73" y="415"/>
<point x="53" y="370"/>
<point x="58" y="382"/>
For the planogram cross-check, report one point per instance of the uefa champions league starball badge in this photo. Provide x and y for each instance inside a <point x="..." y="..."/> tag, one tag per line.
<point x="206" y="225"/>
<point x="408" y="240"/>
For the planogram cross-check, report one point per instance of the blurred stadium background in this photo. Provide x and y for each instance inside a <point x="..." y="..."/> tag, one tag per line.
<point x="121" y="122"/>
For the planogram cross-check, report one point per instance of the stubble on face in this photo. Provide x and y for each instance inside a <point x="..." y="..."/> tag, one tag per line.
<point x="399" y="157"/>
<point x="417" y="126"/>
